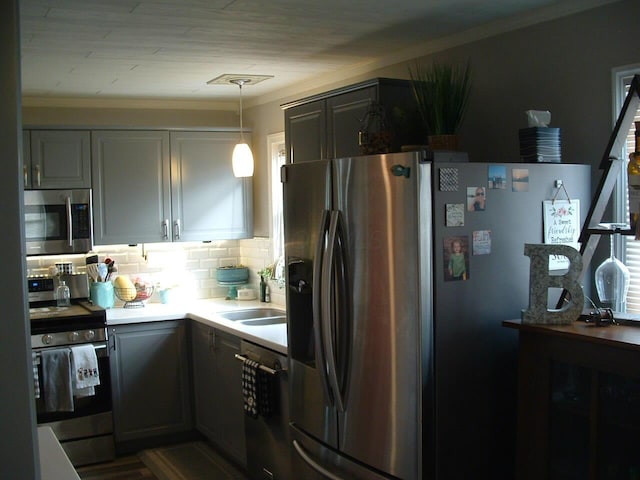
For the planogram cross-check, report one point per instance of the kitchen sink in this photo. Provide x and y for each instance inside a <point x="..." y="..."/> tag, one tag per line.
<point x="255" y="314"/>
<point x="264" y="321"/>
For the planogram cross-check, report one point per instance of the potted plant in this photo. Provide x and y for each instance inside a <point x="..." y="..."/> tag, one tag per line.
<point x="442" y="93"/>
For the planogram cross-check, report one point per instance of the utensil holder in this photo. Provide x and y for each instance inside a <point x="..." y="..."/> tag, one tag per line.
<point x="101" y="294"/>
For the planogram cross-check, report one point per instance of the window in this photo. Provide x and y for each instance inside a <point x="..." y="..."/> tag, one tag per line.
<point x="277" y="157"/>
<point x="627" y="248"/>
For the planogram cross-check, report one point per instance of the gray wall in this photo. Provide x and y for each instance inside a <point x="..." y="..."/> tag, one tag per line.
<point x="18" y="457"/>
<point x="563" y="65"/>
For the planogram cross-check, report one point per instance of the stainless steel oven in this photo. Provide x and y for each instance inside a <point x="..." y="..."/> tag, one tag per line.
<point x="58" y="221"/>
<point x="86" y="432"/>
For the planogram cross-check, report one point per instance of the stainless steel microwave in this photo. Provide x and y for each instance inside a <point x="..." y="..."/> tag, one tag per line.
<point x="58" y="221"/>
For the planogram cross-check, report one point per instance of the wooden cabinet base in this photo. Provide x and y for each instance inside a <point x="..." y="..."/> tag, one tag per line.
<point x="579" y="402"/>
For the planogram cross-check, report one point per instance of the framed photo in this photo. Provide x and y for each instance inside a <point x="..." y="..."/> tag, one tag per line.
<point x="456" y="258"/>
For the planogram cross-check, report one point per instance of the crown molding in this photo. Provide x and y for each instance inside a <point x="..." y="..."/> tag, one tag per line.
<point x="128" y="103"/>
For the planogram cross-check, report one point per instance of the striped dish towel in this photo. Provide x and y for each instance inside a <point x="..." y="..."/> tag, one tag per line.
<point x="36" y="377"/>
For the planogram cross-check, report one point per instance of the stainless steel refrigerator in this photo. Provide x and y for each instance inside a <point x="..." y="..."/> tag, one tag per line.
<point x="399" y="365"/>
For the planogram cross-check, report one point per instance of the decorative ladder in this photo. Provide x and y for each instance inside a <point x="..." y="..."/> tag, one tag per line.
<point x="610" y="164"/>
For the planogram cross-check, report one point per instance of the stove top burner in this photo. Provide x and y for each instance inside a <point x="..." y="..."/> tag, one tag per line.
<point x="48" y="318"/>
<point x="54" y="311"/>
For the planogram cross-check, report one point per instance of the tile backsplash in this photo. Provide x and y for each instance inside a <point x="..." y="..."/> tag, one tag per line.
<point x="190" y="268"/>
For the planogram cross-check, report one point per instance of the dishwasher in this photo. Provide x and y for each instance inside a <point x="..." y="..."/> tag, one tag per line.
<point x="268" y="443"/>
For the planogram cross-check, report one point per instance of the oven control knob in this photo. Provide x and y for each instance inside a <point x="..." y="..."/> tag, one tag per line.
<point x="46" y="339"/>
<point x="73" y="336"/>
<point x="89" y="335"/>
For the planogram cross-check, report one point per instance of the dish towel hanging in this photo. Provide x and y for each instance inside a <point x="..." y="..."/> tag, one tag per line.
<point x="249" y="387"/>
<point x="267" y="392"/>
<point x="85" y="370"/>
<point x="56" y="380"/>
<point x="36" y="377"/>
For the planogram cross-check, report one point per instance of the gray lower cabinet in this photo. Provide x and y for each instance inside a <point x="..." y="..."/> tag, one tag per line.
<point x="162" y="186"/>
<point x="150" y="381"/>
<point x="217" y="390"/>
<point x="56" y="159"/>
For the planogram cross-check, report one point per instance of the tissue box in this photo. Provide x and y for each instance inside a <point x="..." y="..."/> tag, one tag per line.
<point x="540" y="144"/>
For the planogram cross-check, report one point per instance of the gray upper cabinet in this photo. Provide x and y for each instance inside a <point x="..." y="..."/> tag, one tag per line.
<point x="131" y="186"/>
<point x="341" y="122"/>
<point x="305" y="132"/>
<point x="345" y="116"/>
<point x="57" y="159"/>
<point x="158" y="186"/>
<point x="207" y="201"/>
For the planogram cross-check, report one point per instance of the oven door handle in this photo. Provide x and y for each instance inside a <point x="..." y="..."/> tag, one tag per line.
<point x="101" y="351"/>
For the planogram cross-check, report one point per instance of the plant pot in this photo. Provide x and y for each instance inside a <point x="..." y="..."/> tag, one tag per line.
<point x="443" y="142"/>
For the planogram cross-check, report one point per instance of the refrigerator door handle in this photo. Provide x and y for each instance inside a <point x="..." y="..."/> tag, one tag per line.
<point x="313" y="464"/>
<point x="317" y="310"/>
<point x="328" y="312"/>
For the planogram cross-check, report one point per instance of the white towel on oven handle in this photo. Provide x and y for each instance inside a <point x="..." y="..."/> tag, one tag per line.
<point x="85" y="371"/>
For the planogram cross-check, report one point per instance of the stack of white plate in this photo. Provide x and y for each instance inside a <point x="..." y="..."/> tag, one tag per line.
<point x="540" y="144"/>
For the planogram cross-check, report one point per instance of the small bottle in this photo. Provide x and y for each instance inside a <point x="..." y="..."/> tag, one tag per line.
<point x="633" y="179"/>
<point x="263" y="289"/>
<point x="267" y="294"/>
<point x="63" y="295"/>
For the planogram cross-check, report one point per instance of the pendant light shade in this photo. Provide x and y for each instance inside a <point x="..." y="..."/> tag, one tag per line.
<point x="242" y="159"/>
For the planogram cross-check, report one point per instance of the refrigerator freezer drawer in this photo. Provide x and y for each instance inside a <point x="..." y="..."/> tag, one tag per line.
<point x="313" y="460"/>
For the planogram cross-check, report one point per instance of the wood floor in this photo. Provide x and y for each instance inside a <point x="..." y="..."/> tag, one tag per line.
<point x="182" y="461"/>
<point x="124" y="468"/>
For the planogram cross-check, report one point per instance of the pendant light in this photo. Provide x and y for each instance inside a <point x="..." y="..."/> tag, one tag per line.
<point x="242" y="158"/>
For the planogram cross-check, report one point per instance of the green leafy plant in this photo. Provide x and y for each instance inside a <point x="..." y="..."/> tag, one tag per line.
<point x="442" y="93"/>
<point x="266" y="272"/>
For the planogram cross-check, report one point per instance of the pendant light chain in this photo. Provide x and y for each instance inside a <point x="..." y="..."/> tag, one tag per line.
<point x="241" y="130"/>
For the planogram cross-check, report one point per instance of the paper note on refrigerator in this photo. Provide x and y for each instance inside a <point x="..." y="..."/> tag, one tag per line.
<point x="561" y="226"/>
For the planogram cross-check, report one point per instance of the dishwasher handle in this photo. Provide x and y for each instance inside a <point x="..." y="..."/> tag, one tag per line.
<point x="262" y="367"/>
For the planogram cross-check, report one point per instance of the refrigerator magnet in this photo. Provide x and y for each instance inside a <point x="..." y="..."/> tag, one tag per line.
<point x="520" y="180"/>
<point x="456" y="258"/>
<point x="497" y="177"/>
<point x="454" y="215"/>
<point x="481" y="242"/>
<point x="476" y="199"/>
<point x="448" y="179"/>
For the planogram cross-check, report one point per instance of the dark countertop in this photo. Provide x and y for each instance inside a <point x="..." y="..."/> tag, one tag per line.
<point x="621" y="336"/>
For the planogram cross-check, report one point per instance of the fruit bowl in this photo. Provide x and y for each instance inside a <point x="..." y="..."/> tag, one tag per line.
<point x="135" y="296"/>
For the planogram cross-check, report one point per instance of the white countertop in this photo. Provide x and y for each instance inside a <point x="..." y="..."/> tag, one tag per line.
<point x="54" y="463"/>
<point x="206" y="312"/>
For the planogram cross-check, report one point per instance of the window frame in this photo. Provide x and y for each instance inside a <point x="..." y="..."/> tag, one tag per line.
<point x="276" y="157"/>
<point x="621" y="79"/>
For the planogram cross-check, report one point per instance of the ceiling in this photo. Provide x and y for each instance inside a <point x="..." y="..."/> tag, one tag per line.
<point x="169" y="49"/>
